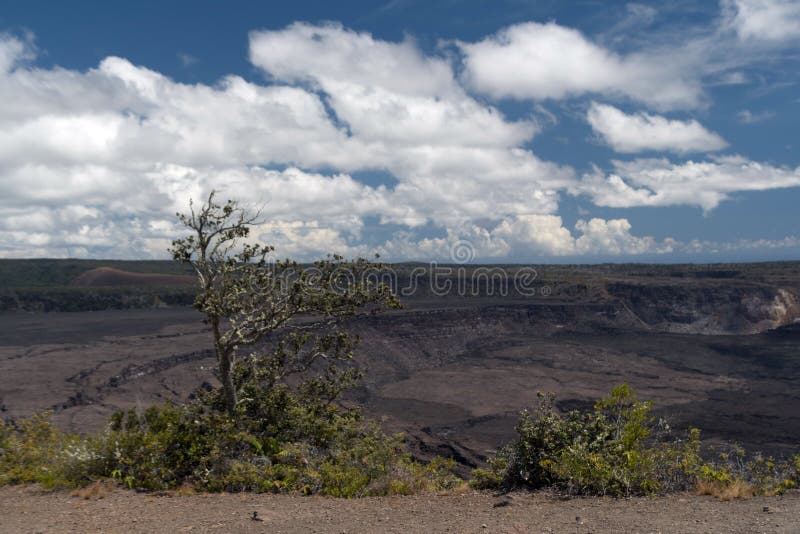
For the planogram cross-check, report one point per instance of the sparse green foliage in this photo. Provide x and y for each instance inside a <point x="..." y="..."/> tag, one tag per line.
<point x="734" y="469"/>
<point x="246" y="298"/>
<point x="169" y="447"/>
<point x="620" y="449"/>
<point x="33" y="450"/>
<point x="617" y="449"/>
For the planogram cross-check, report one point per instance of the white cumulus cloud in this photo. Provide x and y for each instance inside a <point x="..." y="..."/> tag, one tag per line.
<point x="763" y="20"/>
<point x="531" y="236"/>
<point x="643" y="131"/>
<point x="542" y="61"/>
<point x="129" y="146"/>
<point x="456" y="159"/>
<point x="659" y="182"/>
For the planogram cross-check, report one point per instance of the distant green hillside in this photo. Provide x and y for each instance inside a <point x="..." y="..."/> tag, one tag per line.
<point x="43" y="285"/>
<point x="50" y="273"/>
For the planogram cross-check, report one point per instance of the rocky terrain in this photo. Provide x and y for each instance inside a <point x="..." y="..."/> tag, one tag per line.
<point x="716" y="347"/>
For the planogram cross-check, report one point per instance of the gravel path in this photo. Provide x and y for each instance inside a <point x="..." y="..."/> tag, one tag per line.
<point x="28" y="509"/>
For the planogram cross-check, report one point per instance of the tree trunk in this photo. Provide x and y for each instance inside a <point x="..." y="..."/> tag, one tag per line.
<point x="225" y="363"/>
<point x="228" y="387"/>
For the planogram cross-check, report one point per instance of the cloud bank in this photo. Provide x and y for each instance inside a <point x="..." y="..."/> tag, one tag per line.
<point x="659" y="182"/>
<point x="96" y="162"/>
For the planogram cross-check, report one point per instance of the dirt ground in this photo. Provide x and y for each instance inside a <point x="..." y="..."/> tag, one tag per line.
<point x="28" y="509"/>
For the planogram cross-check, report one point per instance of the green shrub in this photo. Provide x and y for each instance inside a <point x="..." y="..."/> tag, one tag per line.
<point x="618" y="449"/>
<point x="33" y="450"/>
<point x="330" y="453"/>
<point x="761" y="475"/>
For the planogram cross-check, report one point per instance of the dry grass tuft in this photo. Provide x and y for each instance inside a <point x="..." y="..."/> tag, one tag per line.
<point x="94" y="491"/>
<point x="725" y="491"/>
<point x="186" y="489"/>
<point x="461" y="488"/>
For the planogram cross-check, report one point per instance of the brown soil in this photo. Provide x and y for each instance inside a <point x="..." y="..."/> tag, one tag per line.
<point x="29" y="509"/>
<point x="108" y="277"/>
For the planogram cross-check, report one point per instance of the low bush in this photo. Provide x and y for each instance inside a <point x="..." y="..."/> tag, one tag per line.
<point x="171" y="447"/>
<point x="733" y="473"/>
<point x="619" y="448"/>
<point x="33" y="450"/>
<point x="282" y="442"/>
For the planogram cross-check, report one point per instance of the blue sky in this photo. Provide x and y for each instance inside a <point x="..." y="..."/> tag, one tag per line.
<point x="561" y="131"/>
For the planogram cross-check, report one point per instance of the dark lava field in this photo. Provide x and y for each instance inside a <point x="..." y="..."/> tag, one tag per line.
<point x="717" y="347"/>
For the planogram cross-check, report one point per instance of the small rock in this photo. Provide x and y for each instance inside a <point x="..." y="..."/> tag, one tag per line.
<point x="766" y="509"/>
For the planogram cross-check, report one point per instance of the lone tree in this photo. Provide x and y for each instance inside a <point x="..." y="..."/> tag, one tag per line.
<point x="246" y="299"/>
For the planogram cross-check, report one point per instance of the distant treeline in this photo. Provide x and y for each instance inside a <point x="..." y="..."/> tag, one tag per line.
<point x="58" y="273"/>
<point x="44" y="285"/>
<point x="74" y="299"/>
